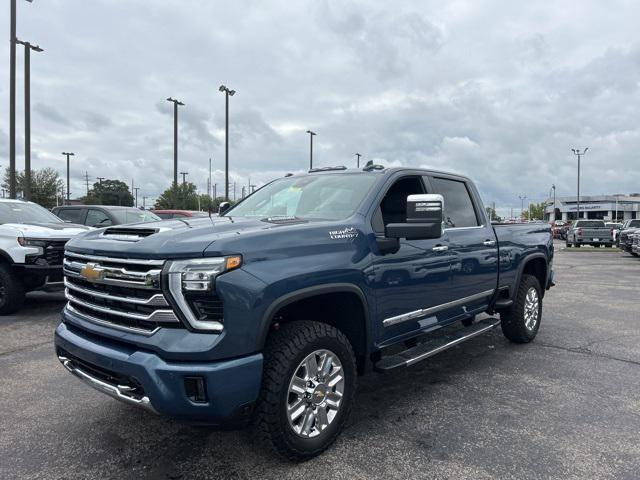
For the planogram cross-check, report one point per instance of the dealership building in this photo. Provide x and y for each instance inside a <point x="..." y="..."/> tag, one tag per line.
<point x="601" y="207"/>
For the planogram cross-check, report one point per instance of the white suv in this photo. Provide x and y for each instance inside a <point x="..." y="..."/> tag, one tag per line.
<point x="32" y="243"/>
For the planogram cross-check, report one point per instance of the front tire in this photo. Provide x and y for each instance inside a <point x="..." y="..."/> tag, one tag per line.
<point x="12" y="291"/>
<point x="521" y="321"/>
<point x="308" y="388"/>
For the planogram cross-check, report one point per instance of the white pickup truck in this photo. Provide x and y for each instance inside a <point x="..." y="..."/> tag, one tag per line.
<point x="32" y="243"/>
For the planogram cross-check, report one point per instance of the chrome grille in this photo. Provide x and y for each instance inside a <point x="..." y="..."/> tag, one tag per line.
<point x="121" y="293"/>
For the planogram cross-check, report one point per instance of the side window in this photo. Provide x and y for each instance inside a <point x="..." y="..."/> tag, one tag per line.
<point x="393" y="207"/>
<point x="458" y="206"/>
<point x="72" y="215"/>
<point x="97" y="218"/>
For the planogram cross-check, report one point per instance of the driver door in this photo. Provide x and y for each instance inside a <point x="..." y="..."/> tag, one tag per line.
<point x="415" y="277"/>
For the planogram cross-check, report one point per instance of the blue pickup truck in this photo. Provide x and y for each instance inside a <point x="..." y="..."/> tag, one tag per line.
<point x="271" y="311"/>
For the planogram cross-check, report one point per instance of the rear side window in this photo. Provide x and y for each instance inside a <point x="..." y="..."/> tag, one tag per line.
<point x="97" y="218"/>
<point x="458" y="206"/>
<point x="72" y="215"/>
<point x="590" y="223"/>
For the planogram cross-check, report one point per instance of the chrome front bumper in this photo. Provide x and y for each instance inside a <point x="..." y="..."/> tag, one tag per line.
<point x="119" y="392"/>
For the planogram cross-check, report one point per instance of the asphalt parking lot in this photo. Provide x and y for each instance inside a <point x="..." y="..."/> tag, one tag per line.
<point x="565" y="406"/>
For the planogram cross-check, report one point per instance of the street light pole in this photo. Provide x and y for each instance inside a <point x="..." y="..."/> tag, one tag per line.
<point x="358" y="155"/>
<point x="27" y="115"/>
<point x="176" y="103"/>
<point x="227" y="93"/>
<point x="579" y="154"/>
<point x="311" y="135"/>
<point x="522" y="199"/>
<point x="68" y="154"/>
<point x="136" y="190"/>
<point x="12" y="101"/>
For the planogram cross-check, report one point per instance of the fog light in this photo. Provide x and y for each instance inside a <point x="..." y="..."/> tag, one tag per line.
<point x="195" y="390"/>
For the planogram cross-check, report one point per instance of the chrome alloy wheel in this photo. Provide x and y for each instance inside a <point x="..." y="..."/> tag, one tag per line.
<point x="315" y="393"/>
<point x="531" y="309"/>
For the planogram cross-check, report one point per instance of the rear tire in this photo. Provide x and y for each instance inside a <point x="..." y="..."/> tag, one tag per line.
<point x="301" y="410"/>
<point x="11" y="291"/>
<point x="521" y="321"/>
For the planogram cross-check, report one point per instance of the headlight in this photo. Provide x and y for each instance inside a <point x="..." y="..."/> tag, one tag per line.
<point x="32" y="242"/>
<point x="195" y="278"/>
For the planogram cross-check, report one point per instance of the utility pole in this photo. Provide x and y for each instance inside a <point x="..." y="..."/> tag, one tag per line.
<point x="86" y="179"/>
<point x="215" y="193"/>
<point x="184" y="178"/>
<point x="68" y="154"/>
<point x="136" y="189"/>
<point x="311" y="135"/>
<point x="27" y="115"/>
<point x="209" y="185"/>
<point x="358" y="155"/>
<point x="553" y="187"/>
<point x="234" y="191"/>
<point x="227" y="93"/>
<point x="522" y="199"/>
<point x="144" y="203"/>
<point x="176" y="103"/>
<point x="12" y="101"/>
<point x="253" y="188"/>
<point x="579" y="154"/>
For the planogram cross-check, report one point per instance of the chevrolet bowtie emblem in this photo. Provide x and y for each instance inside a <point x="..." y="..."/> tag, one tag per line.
<point x="91" y="272"/>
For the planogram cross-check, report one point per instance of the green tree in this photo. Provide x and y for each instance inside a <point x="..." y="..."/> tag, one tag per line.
<point x="493" y="216"/>
<point x="45" y="185"/>
<point x="183" y="196"/>
<point x="109" y="192"/>
<point x="535" y="211"/>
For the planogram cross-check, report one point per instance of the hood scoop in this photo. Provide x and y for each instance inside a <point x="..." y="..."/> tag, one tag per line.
<point x="128" y="234"/>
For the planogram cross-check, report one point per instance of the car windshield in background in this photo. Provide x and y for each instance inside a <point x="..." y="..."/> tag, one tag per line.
<point x="17" y="212"/>
<point x="134" y="215"/>
<point x="588" y="224"/>
<point x="318" y="197"/>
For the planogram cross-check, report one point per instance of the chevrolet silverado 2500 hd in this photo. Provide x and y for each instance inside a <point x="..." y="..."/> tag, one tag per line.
<point x="270" y="311"/>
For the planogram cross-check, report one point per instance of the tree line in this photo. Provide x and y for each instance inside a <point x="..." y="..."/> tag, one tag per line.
<point x="48" y="190"/>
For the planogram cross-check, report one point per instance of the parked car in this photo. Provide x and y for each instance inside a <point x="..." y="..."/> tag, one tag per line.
<point x="557" y="229"/>
<point x="103" y="215"/>
<point x="271" y="313"/>
<point x="589" y="232"/>
<point x="166" y="214"/>
<point x="634" y="240"/>
<point x="628" y="227"/>
<point x="32" y="243"/>
<point x="615" y="228"/>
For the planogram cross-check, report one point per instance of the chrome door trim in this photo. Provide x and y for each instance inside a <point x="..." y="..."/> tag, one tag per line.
<point x="387" y="322"/>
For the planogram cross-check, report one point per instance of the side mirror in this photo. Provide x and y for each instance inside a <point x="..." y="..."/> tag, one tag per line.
<point x="223" y="207"/>
<point x="424" y="219"/>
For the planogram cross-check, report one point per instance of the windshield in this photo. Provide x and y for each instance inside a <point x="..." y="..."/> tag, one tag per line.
<point x="134" y="215"/>
<point x="18" y="212"/>
<point x="325" y="197"/>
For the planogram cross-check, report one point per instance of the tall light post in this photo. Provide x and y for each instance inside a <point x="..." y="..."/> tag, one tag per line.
<point x="227" y="93"/>
<point x="12" y="101"/>
<point x="358" y="155"/>
<point x="311" y="135"/>
<point x="176" y="104"/>
<point x="522" y="199"/>
<point x="136" y="190"/>
<point x="553" y="187"/>
<point x="27" y="115"/>
<point x="68" y="154"/>
<point x="578" y="154"/>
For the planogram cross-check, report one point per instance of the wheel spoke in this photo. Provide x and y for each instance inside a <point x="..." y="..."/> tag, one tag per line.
<point x="334" y="377"/>
<point x="307" y="423"/>
<point x="333" y="399"/>
<point x="297" y="408"/>
<point x="326" y="365"/>
<point x="298" y="385"/>
<point x="311" y="365"/>
<point x="321" y="420"/>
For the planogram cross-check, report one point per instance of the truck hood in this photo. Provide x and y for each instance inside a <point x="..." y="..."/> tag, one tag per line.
<point x="47" y="230"/>
<point x="188" y="237"/>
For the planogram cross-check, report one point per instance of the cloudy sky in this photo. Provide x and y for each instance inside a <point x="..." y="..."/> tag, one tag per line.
<point x="498" y="90"/>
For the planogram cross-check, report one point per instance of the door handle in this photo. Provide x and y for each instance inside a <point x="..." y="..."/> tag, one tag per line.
<point x="489" y="243"/>
<point x="440" y="248"/>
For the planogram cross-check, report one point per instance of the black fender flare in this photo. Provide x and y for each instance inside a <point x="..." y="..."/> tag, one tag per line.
<point x="523" y="263"/>
<point x="308" y="292"/>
